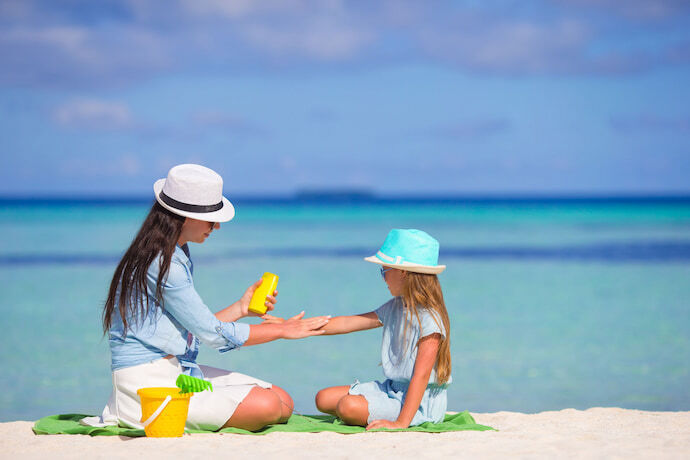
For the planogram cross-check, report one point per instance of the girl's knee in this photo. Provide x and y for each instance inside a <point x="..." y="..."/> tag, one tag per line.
<point x="352" y="409"/>
<point x="327" y="399"/>
<point x="322" y="401"/>
<point x="346" y="405"/>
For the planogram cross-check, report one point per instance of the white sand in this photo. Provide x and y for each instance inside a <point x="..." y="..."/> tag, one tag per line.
<point x="594" y="433"/>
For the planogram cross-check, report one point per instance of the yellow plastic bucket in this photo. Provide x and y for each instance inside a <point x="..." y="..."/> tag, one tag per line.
<point x="163" y="411"/>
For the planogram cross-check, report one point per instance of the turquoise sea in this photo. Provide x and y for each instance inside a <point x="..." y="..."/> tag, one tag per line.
<point x="553" y="303"/>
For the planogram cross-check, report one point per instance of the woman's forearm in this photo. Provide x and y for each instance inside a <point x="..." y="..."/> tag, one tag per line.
<point x="230" y="314"/>
<point x="262" y="333"/>
<point x="294" y="328"/>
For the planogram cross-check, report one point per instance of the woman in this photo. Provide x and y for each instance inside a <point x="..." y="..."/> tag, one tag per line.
<point x="155" y="319"/>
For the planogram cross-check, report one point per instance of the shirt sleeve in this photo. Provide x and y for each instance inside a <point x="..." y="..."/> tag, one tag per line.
<point x="184" y="304"/>
<point x="431" y="323"/>
<point x="383" y="312"/>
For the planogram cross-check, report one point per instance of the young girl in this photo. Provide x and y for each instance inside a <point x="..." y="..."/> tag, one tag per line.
<point x="155" y="319"/>
<point x="415" y="353"/>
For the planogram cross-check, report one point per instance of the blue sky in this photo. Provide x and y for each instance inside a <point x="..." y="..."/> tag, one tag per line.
<point x="546" y="97"/>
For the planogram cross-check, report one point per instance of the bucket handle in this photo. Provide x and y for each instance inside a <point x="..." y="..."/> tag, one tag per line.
<point x="158" y="411"/>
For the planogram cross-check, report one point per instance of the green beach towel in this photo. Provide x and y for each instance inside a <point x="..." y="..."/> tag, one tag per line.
<point x="69" y="424"/>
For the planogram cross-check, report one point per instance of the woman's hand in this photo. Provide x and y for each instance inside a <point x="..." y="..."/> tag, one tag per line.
<point x="386" y="424"/>
<point x="240" y="309"/>
<point x="243" y="304"/>
<point x="270" y="319"/>
<point x="297" y="328"/>
<point x="274" y="328"/>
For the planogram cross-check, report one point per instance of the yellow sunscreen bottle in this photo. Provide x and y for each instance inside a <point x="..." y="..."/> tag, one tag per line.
<point x="258" y="302"/>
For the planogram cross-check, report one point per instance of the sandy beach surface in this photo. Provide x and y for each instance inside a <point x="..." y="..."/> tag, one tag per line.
<point x="569" y="433"/>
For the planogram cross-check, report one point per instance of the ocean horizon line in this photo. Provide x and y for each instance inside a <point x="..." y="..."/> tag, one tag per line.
<point x="633" y="251"/>
<point x="365" y="198"/>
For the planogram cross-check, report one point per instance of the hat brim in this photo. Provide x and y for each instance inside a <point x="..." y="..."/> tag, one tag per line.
<point x="224" y="214"/>
<point x="426" y="269"/>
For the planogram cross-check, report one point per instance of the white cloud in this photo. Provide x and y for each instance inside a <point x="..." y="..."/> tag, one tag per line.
<point x="510" y="46"/>
<point x="636" y="9"/>
<point x="126" y="164"/>
<point x="93" y="114"/>
<point x="322" y="30"/>
<point x="70" y="38"/>
<point x="226" y="122"/>
<point x="324" y="40"/>
<point x="47" y="45"/>
<point x="239" y="9"/>
<point x="233" y="9"/>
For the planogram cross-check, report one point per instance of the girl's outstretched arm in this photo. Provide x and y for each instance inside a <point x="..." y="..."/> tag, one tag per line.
<point x="345" y="324"/>
<point x="427" y="350"/>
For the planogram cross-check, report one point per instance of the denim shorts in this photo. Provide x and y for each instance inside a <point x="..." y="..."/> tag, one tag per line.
<point x="385" y="400"/>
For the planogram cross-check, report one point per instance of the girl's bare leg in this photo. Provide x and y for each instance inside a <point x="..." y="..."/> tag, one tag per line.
<point x="259" y="408"/>
<point x="286" y="403"/>
<point x="327" y="399"/>
<point x="353" y="410"/>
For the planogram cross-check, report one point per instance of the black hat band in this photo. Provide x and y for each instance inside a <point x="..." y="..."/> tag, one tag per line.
<point x="173" y="203"/>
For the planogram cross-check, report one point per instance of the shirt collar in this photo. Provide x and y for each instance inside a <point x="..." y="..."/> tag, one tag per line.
<point x="183" y="253"/>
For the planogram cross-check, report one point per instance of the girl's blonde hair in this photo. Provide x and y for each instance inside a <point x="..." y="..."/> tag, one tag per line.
<point x="424" y="291"/>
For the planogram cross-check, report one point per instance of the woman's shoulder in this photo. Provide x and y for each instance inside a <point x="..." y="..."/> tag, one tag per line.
<point x="178" y="271"/>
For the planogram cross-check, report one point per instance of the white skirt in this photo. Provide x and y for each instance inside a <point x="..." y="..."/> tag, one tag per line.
<point x="208" y="410"/>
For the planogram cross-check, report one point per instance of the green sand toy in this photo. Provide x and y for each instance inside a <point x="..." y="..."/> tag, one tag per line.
<point x="189" y="384"/>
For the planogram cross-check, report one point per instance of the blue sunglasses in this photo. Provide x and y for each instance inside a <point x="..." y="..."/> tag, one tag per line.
<point x="383" y="272"/>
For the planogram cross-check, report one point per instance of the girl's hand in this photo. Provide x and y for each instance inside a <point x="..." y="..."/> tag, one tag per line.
<point x="297" y="328"/>
<point x="386" y="424"/>
<point x="243" y="303"/>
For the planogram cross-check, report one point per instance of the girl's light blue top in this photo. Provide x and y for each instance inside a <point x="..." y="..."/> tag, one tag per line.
<point x="398" y="351"/>
<point x="178" y="327"/>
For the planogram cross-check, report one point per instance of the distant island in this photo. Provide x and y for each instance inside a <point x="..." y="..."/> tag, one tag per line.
<point x="334" y="195"/>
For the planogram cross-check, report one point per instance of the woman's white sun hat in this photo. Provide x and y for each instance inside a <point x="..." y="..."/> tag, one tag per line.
<point x="194" y="191"/>
<point x="409" y="249"/>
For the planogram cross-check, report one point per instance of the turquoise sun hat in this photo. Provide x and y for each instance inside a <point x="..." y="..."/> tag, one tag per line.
<point x="409" y="249"/>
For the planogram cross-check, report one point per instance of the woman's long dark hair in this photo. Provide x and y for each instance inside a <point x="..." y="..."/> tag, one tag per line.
<point x="158" y="235"/>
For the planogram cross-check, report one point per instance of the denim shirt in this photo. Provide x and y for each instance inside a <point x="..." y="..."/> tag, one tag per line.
<point x="175" y="329"/>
